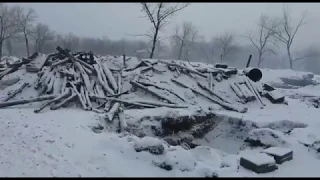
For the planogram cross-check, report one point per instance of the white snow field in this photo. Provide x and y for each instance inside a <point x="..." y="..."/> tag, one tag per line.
<point x="62" y="143"/>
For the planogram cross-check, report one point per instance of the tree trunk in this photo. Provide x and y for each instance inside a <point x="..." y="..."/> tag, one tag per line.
<point x="1" y="43"/>
<point x="27" y="43"/>
<point x="9" y="46"/>
<point x="154" y="41"/>
<point x="259" y="60"/>
<point x="180" y="50"/>
<point x="289" y="56"/>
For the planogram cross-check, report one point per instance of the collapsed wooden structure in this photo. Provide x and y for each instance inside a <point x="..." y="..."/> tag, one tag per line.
<point x="82" y="78"/>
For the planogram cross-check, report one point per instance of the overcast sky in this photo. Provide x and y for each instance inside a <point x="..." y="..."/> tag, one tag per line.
<point x="114" y="20"/>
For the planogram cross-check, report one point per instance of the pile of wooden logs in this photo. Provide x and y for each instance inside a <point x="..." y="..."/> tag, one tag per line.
<point x="66" y="78"/>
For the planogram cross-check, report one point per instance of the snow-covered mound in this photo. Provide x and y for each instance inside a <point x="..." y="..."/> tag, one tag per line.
<point x="209" y="142"/>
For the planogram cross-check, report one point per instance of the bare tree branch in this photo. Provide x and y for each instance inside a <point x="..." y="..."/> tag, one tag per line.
<point x="41" y="35"/>
<point x="8" y="24"/>
<point x="264" y="37"/>
<point x="184" y="39"/>
<point x="159" y="14"/>
<point x="286" y="31"/>
<point x="224" y="42"/>
<point x="25" y="19"/>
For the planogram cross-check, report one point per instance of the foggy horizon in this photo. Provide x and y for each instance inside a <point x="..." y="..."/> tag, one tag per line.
<point x="116" y="20"/>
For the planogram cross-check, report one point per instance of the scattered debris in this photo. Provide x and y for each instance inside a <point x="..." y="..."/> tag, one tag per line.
<point x="280" y="155"/>
<point x="258" y="163"/>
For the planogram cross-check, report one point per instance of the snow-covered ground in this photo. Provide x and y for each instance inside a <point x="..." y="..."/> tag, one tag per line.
<point x="65" y="142"/>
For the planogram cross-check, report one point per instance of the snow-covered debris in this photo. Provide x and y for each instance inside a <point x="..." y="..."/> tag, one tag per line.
<point x="277" y="151"/>
<point x="280" y="154"/>
<point x="204" y="137"/>
<point x="152" y="145"/>
<point x="285" y="126"/>
<point x="258" y="162"/>
<point x="266" y="137"/>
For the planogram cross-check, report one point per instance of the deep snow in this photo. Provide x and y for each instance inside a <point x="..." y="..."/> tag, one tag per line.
<point x="63" y="143"/>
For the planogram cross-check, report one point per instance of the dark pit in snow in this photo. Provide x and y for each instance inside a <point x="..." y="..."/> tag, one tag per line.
<point x="155" y="149"/>
<point x="163" y="166"/>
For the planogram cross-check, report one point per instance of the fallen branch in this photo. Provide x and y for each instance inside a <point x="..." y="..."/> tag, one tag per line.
<point x="19" y="90"/>
<point x="26" y="101"/>
<point x="57" y="106"/>
<point x="58" y="98"/>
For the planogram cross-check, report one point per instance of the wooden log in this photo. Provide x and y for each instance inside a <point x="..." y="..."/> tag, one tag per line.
<point x="138" y="85"/>
<point x="58" y="98"/>
<point x="247" y="93"/>
<point x="14" y="93"/>
<point x="110" y="77"/>
<point x="49" y="57"/>
<point x="65" y="60"/>
<point x="88" y="71"/>
<point x="158" y="104"/>
<point x="242" y="94"/>
<point x="122" y="120"/>
<point x="183" y="67"/>
<point x="218" y="77"/>
<point x="64" y="84"/>
<point x="50" y="85"/>
<point x="83" y="104"/>
<point x="8" y="71"/>
<point x="141" y="64"/>
<point x="87" y="98"/>
<point x="124" y="61"/>
<point x="104" y="78"/>
<point x="254" y="91"/>
<point x="204" y="87"/>
<point x="162" y="88"/>
<point x="113" y="111"/>
<point x="224" y="66"/>
<point x="100" y="79"/>
<point x="219" y="102"/>
<point x="210" y="79"/>
<point x="26" y="101"/>
<point x="237" y="92"/>
<point x="62" y="103"/>
<point x="107" y="106"/>
<point x="119" y="82"/>
<point x="124" y="101"/>
<point x="84" y="76"/>
<point x="86" y="65"/>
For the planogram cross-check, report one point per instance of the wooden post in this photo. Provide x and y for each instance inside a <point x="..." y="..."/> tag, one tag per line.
<point x="249" y="60"/>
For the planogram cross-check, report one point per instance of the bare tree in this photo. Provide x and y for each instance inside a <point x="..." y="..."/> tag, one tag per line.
<point x="71" y="42"/>
<point x="9" y="46"/>
<point x="183" y="39"/>
<point x="264" y="37"/>
<point x="8" y="25"/>
<point x="42" y="35"/>
<point x="159" y="14"/>
<point x="287" y="31"/>
<point x="25" y="21"/>
<point x="224" y="42"/>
